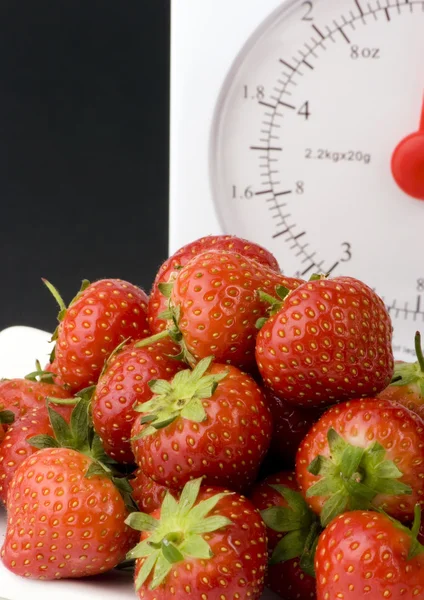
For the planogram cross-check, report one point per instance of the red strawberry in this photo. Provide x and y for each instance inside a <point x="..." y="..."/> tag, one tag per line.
<point x="330" y="341"/>
<point x="290" y="425"/>
<point x="22" y="395"/>
<point x="368" y="555"/>
<point x="170" y="268"/>
<point x="210" y="544"/>
<point x="215" y="303"/>
<point x="407" y="385"/>
<point x="53" y="370"/>
<point x="99" y="318"/>
<point x="15" y="448"/>
<point x="124" y="383"/>
<point x="361" y="454"/>
<point x="212" y="422"/>
<point x="147" y="494"/>
<point x="63" y="522"/>
<point x="295" y="524"/>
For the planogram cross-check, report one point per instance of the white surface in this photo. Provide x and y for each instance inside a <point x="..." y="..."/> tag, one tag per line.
<point x="19" y="347"/>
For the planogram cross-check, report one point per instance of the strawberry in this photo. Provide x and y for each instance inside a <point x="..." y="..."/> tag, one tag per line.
<point x="20" y="396"/>
<point x="330" y="341"/>
<point x="215" y="302"/>
<point x="364" y="554"/>
<point x="362" y="454"/>
<point x="290" y="425"/>
<point x="124" y="383"/>
<point x="292" y="531"/>
<point x="147" y="494"/>
<point x="211" y="543"/>
<point x="407" y="386"/>
<point x="101" y="316"/>
<point x="2" y="430"/>
<point x="63" y="520"/>
<point x="15" y="447"/>
<point x="168" y="270"/>
<point x="212" y="422"/>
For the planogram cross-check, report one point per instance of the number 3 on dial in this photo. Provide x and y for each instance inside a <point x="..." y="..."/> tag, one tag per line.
<point x="347" y="248"/>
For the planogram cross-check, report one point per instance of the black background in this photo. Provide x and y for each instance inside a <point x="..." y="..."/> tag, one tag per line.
<point x="84" y="103"/>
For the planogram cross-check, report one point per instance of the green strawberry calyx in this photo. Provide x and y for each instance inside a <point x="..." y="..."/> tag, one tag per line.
<point x="411" y="373"/>
<point x="300" y="526"/>
<point x="353" y="476"/>
<point x="182" y="396"/>
<point x="416" y="547"/>
<point x="178" y="534"/>
<point x="79" y="435"/>
<point x="275" y="304"/>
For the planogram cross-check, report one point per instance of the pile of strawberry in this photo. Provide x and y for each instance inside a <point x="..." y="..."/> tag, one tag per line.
<point x="236" y="429"/>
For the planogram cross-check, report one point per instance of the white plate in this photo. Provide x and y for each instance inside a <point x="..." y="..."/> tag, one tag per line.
<point x="19" y="347"/>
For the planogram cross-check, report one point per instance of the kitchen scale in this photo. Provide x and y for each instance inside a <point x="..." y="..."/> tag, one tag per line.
<point x="300" y="125"/>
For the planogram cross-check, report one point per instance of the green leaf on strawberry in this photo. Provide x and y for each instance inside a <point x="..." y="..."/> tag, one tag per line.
<point x="177" y="535"/>
<point x="299" y="523"/>
<point x="407" y="374"/>
<point x="353" y="476"/>
<point x="180" y="397"/>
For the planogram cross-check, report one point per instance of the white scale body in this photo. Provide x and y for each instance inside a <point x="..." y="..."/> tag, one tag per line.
<point x="284" y="119"/>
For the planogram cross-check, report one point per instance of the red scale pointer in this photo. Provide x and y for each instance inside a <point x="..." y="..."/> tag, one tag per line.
<point x="408" y="163"/>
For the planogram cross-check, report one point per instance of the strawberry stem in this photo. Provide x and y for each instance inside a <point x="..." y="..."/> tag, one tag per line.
<point x="419" y="351"/>
<point x="152" y="339"/>
<point x="54" y="292"/>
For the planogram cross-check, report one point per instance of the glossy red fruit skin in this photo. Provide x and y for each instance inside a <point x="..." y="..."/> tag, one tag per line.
<point x="364" y="555"/>
<point x="227" y="448"/>
<point x="14" y="449"/>
<point x="22" y="395"/>
<point x="408" y="395"/>
<point x="331" y="341"/>
<point x="105" y="314"/>
<point x="285" y="579"/>
<point x="290" y="426"/>
<point x="238" y="563"/>
<point x="148" y="494"/>
<point x="361" y="422"/>
<point x="168" y="270"/>
<point x="124" y="384"/>
<point x="217" y="295"/>
<point x="65" y="525"/>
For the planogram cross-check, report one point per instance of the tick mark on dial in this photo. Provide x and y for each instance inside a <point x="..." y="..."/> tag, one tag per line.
<point x="318" y="32"/>
<point x="344" y="35"/>
<point x="286" y="64"/>
<point x="308" y="64"/>
<point x="286" y="105"/>
<point x="266" y="104"/>
<point x="268" y="148"/>
<point x="386" y="10"/>
<point x="361" y="12"/>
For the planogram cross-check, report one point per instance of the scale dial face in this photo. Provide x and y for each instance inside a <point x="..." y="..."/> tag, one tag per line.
<point x="303" y="146"/>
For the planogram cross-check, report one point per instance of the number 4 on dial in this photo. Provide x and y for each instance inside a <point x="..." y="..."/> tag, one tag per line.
<point x="304" y="110"/>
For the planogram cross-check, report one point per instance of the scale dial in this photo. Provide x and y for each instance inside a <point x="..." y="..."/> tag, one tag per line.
<point x="310" y="147"/>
